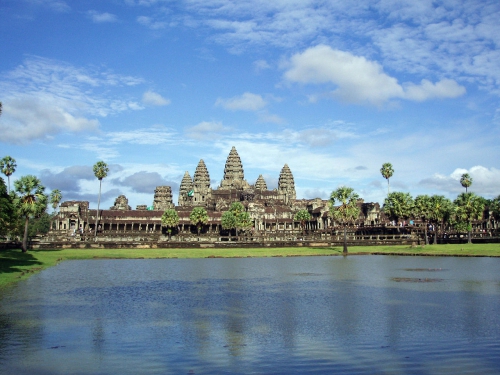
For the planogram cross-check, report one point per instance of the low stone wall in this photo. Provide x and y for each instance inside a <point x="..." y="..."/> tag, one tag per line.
<point x="202" y="243"/>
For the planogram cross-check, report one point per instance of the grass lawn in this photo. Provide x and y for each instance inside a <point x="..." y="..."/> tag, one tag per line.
<point x="15" y="265"/>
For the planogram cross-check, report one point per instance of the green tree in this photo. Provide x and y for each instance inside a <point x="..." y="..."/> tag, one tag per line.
<point x="422" y="211"/>
<point x="387" y="171"/>
<point x="170" y="219"/>
<point x="30" y="202"/>
<point x="466" y="181"/>
<point x="468" y="207"/>
<point x="7" y="210"/>
<point x="495" y="207"/>
<point x="198" y="217"/>
<point x="236" y="218"/>
<point x="55" y="198"/>
<point x="101" y="170"/>
<point x="440" y="210"/>
<point x="8" y="167"/>
<point x="347" y="212"/>
<point x="302" y="216"/>
<point x="398" y="205"/>
<point x="228" y="221"/>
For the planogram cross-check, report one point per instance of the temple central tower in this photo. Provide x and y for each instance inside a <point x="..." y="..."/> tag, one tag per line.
<point x="233" y="172"/>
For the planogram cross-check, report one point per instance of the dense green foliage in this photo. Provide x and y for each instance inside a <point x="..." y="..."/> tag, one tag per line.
<point x="7" y="210"/>
<point x="302" y="216"/>
<point x="468" y="207"/>
<point x="198" y="217"/>
<point x="55" y="198"/>
<point x="236" y="218"/>
<point x="398" y="205"/>
<point x="170" y="219"/>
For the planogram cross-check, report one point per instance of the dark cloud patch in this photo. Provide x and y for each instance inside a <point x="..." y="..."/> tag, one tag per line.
<point x="110" y="194"/>
<point x="315" y="193"/>
<point x="145" y="182"/>
<point x="67" y="180"/>
<point x="113" y="168"/>
<point x="360" y="168"/>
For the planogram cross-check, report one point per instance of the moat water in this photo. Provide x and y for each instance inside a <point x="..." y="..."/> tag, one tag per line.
<point x="307" y="315"/>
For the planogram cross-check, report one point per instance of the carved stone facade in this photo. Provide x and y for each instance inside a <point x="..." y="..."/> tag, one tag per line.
<point x="121" y="203"/>
<point x="271" y="211"/>
<point x="163" y="198"/>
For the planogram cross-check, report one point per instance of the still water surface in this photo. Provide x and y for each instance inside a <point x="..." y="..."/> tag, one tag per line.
<point x="307" y="315"/>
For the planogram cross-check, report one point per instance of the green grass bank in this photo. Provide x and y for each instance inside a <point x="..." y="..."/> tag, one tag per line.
<point x="16" y="266"/>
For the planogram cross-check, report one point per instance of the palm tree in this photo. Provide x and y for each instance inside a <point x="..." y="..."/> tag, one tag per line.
<point x="55" y="198"/>
<point x="198" y="217"/>
<point x="100" y="171"/>
<point x="170" y="219"/>
<point x="30" y="201"/>
<point x="398" y="205"/>
<point x="387" y="172"/>
<point x="228" y="221"/>
<point x="468" y="207"/>
<point x="422" y="210"/>
<point x="466" y="181"/>
<point x="440" y="210"/>
<point x="303" y="216"/>
<point x="8" y="166"/>
<point x="348" y="211"/>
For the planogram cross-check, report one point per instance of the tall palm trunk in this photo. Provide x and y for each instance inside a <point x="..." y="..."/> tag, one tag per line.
<point x="98" y="203"/>
<point x="25" y="236"/>
<point x="345" y="239"/>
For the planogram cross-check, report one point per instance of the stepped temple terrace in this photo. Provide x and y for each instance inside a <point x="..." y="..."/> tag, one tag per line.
<point x="271" y="213"/>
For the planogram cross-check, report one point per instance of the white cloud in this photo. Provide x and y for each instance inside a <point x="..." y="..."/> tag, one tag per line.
<point x="485" y="181"/>
<point x="56" y="5"/>
<point x="359" y="80"/>
<point x="43" y="97"/>
<point x="446" y="88"/>
<point x="207" y="130"/>
<point x="98" y="17"/>
<point x="153" y="98"/>
<point x="244" y="102"/>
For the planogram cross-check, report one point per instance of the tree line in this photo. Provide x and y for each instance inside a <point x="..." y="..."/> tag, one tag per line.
<point x="23" y="210"/>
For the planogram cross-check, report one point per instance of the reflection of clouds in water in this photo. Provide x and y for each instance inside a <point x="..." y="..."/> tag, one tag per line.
<point x="291" y="315"/>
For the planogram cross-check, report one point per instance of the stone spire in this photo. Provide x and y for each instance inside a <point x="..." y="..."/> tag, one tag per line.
<point x="286" y="185"/>
<point x="233" y="172"/>
<point x="184" y="189"/>
<point x="163" y="198"/>
<point x="201" y="183"/>
<point x="260" y="184"/>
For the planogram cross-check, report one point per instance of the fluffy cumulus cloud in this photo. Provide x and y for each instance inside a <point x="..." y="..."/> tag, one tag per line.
<point x="43" y="97"/>
<point x="153" y="98"/>
<point x="359" y="80"/>
<point x="244" y="102"/>
<point x="485" y="181"/>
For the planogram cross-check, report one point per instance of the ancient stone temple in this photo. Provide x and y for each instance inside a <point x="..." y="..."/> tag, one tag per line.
<point x="186" y="190"/>
<point x="163" y="198"/>
<point x="234" y="177"/>
<point x="271" y="211"/>
<point x="260" y="184"/>
<point x="121" y="203"/>
<point x="286" y="185"/>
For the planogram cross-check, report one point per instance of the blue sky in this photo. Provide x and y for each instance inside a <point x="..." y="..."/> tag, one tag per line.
<point x="332" y="88"/>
